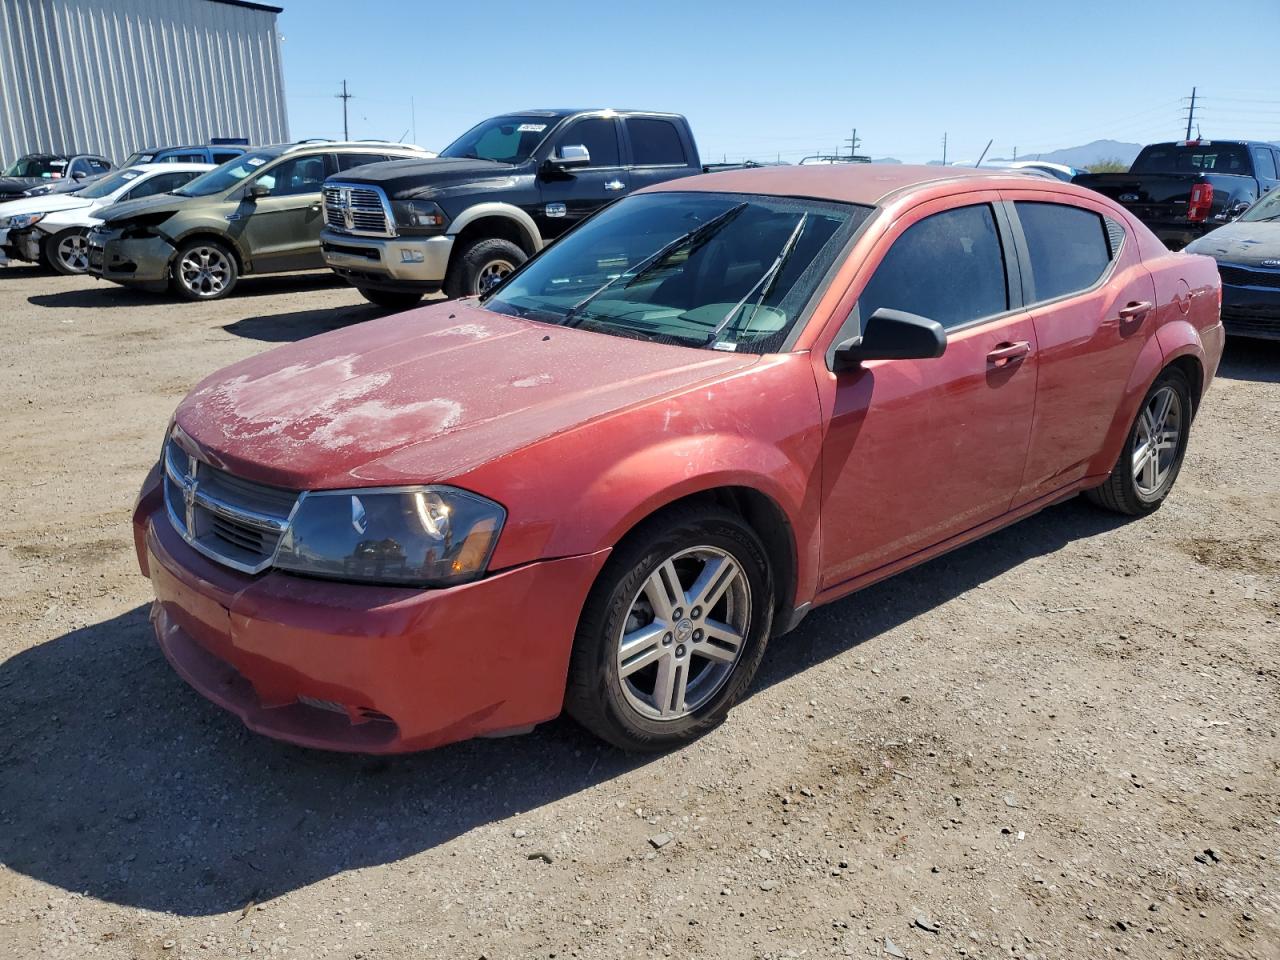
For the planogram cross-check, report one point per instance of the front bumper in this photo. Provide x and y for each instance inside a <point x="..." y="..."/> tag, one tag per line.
<point x="365" y="668"/>
<point x="1251" y="311"/>
<point x="388" y="263"/>
<point x="22" y="244"/>
<point x="144" y="260"/>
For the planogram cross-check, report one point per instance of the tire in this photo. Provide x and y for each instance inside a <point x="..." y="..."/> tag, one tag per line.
<point x="67" y="252"/>
<point x="621" y="701"/>
<point x="203" y="270"/>
<point x="1139" y="483"/>
<point x="391" y="299"/>
<point x="480" y="265"/>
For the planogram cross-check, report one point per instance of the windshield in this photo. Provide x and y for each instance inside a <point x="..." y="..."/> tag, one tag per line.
<point x="1197" y="158"/>
<point x="226" y="176"/>
<point x="47" y="167"/>
<point x="138" y="158"/>
<point x="699" y="269"/>
<point x="105" y="186"/>
<point x="502" y="139"/>
<point x="1268" y="208"/>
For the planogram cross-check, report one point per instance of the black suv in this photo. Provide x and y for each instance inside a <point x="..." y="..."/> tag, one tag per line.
<point x="493" y="198"/>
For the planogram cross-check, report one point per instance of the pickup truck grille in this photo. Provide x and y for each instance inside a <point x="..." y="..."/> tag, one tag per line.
<point x="236" y="522"/>
<point x="358" y="210"/>
<point x="1245" y="277"/>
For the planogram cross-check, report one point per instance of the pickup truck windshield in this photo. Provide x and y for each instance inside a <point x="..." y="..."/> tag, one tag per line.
<point x="37" y="167"/>
<point x="502" y="139"/>
<point x="1195" y="158"/>
<point x="226" y="176"/>
<point x="719" y="270"/>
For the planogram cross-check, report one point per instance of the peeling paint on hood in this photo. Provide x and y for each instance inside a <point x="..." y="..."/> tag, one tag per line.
<point x="1246" y="242"/>
<point x="423" y="396"/>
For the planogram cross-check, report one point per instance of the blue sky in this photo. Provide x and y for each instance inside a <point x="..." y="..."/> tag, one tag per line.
<point x="790" y="77"/>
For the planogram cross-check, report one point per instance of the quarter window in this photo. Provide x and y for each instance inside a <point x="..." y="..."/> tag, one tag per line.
<point x="949" y="267"/>
<point x="1069" y="248"/>
<point x="654" y="143"/>
<point x="599" y="136"/>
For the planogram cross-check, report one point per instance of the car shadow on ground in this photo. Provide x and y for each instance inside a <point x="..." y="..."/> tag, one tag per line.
<point x="20" y="270"/>
<point x="290" y="327"/>
<point x="103" y="293"/>
<point x="1257" y="360"/>
<point x="118" y="781"/>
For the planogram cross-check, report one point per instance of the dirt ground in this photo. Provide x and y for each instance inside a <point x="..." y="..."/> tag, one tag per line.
<point x="1058" y="742"/>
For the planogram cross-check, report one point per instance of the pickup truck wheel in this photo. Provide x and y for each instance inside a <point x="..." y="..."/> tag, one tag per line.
<point x="391" y="299"/>
<point x="673" y="630"/>
<point x="67" y="252"/>
<point x="1153" y="451"/>
<point x="203" y="270"/>
<point x="480" y="266"/>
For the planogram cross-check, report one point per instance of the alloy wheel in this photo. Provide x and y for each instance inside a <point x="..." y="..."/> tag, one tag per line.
<point x="205" y="271"/>
<point x="1155" y="444"/>
<point x="492" y="274"/>
<point x="73" y="252"/>
<point x="684" y="633"/>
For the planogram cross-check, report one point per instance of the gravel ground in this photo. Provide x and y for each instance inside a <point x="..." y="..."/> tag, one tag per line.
<point x="1058" y="742"/>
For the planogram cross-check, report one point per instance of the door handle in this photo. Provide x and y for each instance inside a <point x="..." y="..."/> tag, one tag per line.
<point x="1008" y="353"/>
<point x="1138" y="308"/>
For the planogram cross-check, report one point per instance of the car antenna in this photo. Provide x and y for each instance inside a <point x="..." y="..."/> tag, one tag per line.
<point x="984" y="152"/>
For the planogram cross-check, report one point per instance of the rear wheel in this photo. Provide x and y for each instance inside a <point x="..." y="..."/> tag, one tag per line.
<point x="1153" y="451"/>
<point x="204" y="270"/>
<point x="68" y="251"/>
<point x="673" y="630"/>
<point x="480" y="266"/>
<point x="391" y="299"/>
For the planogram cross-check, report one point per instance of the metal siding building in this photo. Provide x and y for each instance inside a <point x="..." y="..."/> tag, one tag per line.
<point x="111" y="76"/>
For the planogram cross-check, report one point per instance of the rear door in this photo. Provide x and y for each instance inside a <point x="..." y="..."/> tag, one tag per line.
<point x="657" y="150"/>
<point x="281" y="231"/>
<point x="571" y="196"/>
<point x="1092" y="302"/>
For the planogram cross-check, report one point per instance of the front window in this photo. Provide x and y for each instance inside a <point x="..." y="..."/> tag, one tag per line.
<point x="1268" y="208"/>
<point x="1194" y="158"/>
<point x="728" y="271"/>
<point x="502" y="139"/>
<point x="47" y="167"/>
<point x="228" y="175"/>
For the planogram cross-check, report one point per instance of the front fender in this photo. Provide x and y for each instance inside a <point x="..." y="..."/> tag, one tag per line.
<point x="496" y="209"/>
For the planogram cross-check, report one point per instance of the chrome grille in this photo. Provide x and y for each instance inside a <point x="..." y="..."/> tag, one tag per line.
<point x="358" y="210"/>
<point x="234" y="521"/>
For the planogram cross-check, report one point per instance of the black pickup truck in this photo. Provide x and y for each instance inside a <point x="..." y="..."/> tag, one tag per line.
<point x="1184" y="189"/>
<point x="493" y="198"/>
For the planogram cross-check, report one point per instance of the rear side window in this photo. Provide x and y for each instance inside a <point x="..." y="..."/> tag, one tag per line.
<point x="599" y="136"/>
<point x="655" y="143"/>
<point x="1263" y="163"/>
<point x="224" y="157"/>
<point x="948" y="267"/>
<point x="1070" y="248"/>
<point x="348" y="160"/>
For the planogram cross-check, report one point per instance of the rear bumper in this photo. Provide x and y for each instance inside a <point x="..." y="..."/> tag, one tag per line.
<point x="365" y="668"/>
<point x="131" y="261"/>
<point x="392" y="263"/>
<point x="1251" y="311"/>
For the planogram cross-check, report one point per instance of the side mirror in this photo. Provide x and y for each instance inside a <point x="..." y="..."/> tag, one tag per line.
<point x="892" y="335"/>
<point x="570" y="155"/>
<point x="78" y="175"/>
<point x="257" y="191"/>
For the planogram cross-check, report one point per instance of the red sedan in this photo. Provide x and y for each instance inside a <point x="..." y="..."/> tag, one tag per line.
<point x="606" y="484"/>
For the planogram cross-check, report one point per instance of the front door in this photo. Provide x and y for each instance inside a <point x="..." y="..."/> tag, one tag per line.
<point x="281" y="231"/>
<point x="918" y="451"/>
<point x="570" y="196"/>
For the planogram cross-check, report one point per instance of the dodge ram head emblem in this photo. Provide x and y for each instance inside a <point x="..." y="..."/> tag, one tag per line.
<point x="348" y="215"/>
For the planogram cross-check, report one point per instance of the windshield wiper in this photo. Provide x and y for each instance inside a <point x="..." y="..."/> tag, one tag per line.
<point x="765" y="284"/>
<point x="639" y="270"/>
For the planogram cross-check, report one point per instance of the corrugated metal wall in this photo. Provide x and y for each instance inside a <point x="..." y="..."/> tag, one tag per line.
<point x="110" y="76"/>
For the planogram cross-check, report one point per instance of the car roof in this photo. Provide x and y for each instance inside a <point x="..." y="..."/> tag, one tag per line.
<point x="171" y="167"/>
<point x="320" y="146"/>
<point x="864" y="183"/>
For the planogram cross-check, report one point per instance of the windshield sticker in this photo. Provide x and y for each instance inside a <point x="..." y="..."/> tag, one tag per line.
<point x="130" y="175"/>
<point x="531" y="128"/>
<point x="57" y="163"/>
<point x="725" y="345"/>
<point x="255" y="161"/>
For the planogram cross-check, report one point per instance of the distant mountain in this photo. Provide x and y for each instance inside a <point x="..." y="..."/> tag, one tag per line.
<point x="1084" y="155"/>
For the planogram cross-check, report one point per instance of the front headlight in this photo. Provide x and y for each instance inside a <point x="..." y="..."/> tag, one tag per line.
<point x="415" y="536"/>
<point x="38" y="191"/>
<point x="20" y="221"/>
<point x="418" y="215"/>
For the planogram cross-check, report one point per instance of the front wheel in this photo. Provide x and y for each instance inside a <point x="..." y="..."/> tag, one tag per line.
<point x="391" y="299"/>
<point x="1153" y="451"/>
<point x="480" y="266"/>
<point x="204" y="270"/>
<point x="673" y="630"/>
<point x="67" y="252"/>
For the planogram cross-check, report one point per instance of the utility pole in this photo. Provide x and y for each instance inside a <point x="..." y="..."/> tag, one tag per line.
<point x="1015" y="153"/>
<point x="853" y="142"/>
<point x="344" y="97"/>
<point x="413" y="120"/>
<point x="1191" y="112"/>
<point x="944" y="149"/>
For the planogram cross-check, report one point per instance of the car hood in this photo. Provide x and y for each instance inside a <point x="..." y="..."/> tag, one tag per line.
<point x="424" y="396"/>
<point x="127" y="209"/>
<point x="45" y="204"/>
<point x="413" y="179"/>
<point x="1241" y="242"/>
<point x="18" y="184"/>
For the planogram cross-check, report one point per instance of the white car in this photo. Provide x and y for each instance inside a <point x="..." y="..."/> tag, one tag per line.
<point x="53" y="229"/>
